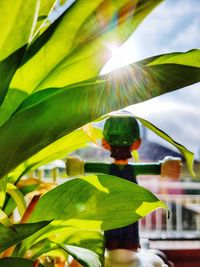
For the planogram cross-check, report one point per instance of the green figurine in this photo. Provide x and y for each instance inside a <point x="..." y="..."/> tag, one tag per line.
<point x="121" y="135"/>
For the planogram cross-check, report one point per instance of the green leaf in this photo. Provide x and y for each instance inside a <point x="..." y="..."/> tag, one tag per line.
<point x="13" y="97"/>
<point x="18" y="197"/>
<point x="76" y="46"/>
<point x="111" y="23"/>
<point x="188" y="155"/>
<point x="56" y="150"/>
<point x="84" y="256"/>
<point x="8" y="66"/>
<point x="52" y="118"/>
<point x="189" y="59"/>
<point x="97" y="205"/>
<point x="38" y="249"/>
<point x="171" y="71"/>
<point x="5" y="221"/>
<point x="18" y="19"/>
<point x="22" y="231"/>
<point x="17" y="262"/>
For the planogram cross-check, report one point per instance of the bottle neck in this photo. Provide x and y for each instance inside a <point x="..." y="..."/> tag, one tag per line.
<point x="123" y="238"/>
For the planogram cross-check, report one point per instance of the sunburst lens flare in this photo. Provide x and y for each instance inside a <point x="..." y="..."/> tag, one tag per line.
<point x="129" y="85"/>
<point x="121" y="56"/>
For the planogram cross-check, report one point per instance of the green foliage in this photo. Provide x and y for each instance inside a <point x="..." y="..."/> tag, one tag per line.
<point x="17" y="262"/>
<point x="56" y="150"/>
<point x="49" y="87"/>
<point x="97" y="207"/>
<point x="51" y="117"/>
<point x="14" y="37"/>
<point x="12" y="236"/>
<point x="84" y="245"/>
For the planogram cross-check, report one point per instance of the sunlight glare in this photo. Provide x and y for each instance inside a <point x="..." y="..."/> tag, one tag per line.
<point x="121" y="56"/>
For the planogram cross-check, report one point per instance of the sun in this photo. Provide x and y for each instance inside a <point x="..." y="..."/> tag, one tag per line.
<point x="121" y="56"/>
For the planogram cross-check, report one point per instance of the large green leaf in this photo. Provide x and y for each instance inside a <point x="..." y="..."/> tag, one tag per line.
<point x="17" y="19"/>
<point x="97" y="204"/>
<point x="17" y="262"/>
<point x="13" y="97"/>
<point x="8" y="66"/>
<point x="10" y="237"/>
<point x="189" y="59"/>
<point x="95" y="207"/>
<point x="78" y="42"/>
<point x="55" y="113"/>
<point x="76" y="46"/>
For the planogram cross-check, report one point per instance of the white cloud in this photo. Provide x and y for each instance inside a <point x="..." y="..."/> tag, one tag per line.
<point x="188" y="38"/>
<point x="172" y="26"/>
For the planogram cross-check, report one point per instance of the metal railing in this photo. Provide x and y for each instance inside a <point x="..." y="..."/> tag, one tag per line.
<point x="183" y="220"/>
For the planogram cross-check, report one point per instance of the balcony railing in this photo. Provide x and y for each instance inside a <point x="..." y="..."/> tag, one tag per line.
<point x="183" y="219"/>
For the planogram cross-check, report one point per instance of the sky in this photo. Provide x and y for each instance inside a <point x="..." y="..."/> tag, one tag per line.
<point x="173" y="26"/>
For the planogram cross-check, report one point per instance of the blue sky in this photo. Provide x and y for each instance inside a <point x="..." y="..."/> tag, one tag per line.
<point x="172" y="26"/>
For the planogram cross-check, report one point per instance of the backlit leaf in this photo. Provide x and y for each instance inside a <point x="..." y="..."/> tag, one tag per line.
<point x="17" y="262"/>
<point x="9" y="237"/>
<point x="55" y="113"/>
<point x="76" y="46"/>
<point x="188" y="155"/>
<point x="97" y="205"/>
<point x="18" y="197"/>
<point x="17" y="19"/>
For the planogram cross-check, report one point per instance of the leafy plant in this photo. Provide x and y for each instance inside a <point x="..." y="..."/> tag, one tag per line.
<point x="50" y="86"/>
